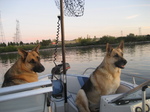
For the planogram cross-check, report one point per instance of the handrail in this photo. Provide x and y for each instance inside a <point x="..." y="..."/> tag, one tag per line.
<point x="87" y="70"/>
<point x="133" y="76"/>
<point x="44" y="76"/>
<point x="22" y="87"/>
<point x="139" y="87"/>
<point x="25" y="94"/>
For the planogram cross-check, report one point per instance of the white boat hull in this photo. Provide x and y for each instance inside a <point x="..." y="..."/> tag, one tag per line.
<point x="33" y="97"/>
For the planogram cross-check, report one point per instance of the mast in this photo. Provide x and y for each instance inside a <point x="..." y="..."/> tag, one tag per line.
<point x="63" y="52"/>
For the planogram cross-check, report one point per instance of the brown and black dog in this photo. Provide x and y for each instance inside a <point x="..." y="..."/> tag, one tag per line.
<point x="103" y="81"/>
<point x="25" y="68"/>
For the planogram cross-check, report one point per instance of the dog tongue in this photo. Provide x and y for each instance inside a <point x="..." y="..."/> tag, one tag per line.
<point x="122" y="66"/>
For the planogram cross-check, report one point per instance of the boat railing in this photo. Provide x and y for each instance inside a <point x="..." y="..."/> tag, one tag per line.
<point x="26" y="97"/>
<point x="126" y="74"/>
<point x="87" y="70"/>
<point x="47" y="76"/>
<point x="24" y="90"/>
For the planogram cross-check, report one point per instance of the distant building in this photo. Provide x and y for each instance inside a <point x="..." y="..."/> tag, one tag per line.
<point x="53" y="43"/>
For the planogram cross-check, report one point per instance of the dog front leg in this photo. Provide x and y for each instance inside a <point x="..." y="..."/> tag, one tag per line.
<point x="82" y="101"/>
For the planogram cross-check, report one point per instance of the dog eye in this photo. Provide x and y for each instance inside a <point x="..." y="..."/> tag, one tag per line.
<point x="32" y="61"/>
<point x="116" y="55"/>
<point x="38" y="58"/>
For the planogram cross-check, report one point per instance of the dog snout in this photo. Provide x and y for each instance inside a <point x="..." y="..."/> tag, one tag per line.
<point x="42" y="68"/>
<point x="38" y="68"/>
<point x="124" y="61"/>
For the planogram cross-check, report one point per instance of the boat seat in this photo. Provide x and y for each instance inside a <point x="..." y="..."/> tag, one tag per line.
<point x="78" y="80"/>
<point x="82" y="80"/>
<point x="124" y="87"/>
<point x="30" y="97"/>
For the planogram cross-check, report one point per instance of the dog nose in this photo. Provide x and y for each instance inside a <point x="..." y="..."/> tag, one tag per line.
<point x="125" y="61"/>
<point x="42" y="68"/>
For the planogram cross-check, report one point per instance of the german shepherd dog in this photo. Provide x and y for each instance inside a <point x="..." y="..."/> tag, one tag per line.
<point x="25" y="68"/>
<point x="103" y="81"/>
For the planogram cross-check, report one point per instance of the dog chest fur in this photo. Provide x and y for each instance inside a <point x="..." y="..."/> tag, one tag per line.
<point x="103" y="83"/>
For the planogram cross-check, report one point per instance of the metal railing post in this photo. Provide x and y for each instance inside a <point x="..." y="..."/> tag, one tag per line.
<point x="144" y="97"/>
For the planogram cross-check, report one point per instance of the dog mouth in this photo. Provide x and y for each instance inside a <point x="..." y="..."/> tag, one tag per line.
<point x="121" y="64"/>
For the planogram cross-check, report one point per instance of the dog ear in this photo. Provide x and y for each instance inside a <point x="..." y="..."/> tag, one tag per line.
<point x="121" y="45"/>
<point x="108" y="48"/>
<point x="36" y="49"/>
<point x="22" y="53"/>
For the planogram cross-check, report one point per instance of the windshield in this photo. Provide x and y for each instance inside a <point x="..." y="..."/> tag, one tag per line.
<point x="134" y="94"/>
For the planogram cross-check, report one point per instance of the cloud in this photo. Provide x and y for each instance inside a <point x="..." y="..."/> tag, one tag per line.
<point x="132" y="17"/>
<point x="140" y="5"/>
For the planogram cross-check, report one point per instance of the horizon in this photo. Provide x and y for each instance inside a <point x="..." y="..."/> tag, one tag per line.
<point x="38" y="19"/>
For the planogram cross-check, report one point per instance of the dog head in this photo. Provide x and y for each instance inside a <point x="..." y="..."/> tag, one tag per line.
<point x="31" y="59"/>
<point x="115" y="56"/>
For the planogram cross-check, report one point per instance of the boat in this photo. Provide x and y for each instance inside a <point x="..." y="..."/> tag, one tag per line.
<point x="56" y="92"/>
<point x="47" y="95"/>
<point x="128" y="98"/>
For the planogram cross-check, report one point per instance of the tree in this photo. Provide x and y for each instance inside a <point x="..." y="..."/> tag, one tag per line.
<point x="45" y="42"/>
<point x="37" y="42"/>
<point x="21" y="43"/>
<point x="107" y="39"/>
<point x="131" y="38"/>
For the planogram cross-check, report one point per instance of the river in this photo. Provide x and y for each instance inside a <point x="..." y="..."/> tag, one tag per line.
<point x="80" y="58"/>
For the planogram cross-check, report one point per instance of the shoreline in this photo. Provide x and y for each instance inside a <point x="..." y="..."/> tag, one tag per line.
<point x="78" y="46"/>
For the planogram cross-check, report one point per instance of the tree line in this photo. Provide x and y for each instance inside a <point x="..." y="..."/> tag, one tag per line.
<point x="43" y="43"/>
<point x="111" y="39"/>
<point x="81" y="41"/>
<point x="13" y="46"/>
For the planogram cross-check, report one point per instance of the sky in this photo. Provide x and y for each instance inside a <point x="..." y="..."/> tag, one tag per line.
<point x="38" y="19"/>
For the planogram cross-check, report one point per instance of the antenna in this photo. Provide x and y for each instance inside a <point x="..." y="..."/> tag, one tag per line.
<point x="17" y="37"/>
<point x="2" y="36"/>
<point x="140" y="31"/>
<point x="121" y="33"/>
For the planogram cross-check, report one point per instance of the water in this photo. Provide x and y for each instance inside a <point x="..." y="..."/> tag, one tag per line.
<point x="81" y="58"/>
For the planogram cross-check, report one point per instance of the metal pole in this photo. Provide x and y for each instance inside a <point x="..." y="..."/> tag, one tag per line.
<point x="144" y="97"/>
<point x="63" y="52"/>
<point x="143" y="101"/>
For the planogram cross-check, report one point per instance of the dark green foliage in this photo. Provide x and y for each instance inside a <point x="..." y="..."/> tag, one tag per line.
<point x="107" y="39"/>
<point x="2" y="44"/>
<point x="85" y="41"/>
<point x="45" y="42"/>
<point x="131" y="38"/>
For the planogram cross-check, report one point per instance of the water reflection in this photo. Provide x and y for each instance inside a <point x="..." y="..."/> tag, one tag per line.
<point x="8" y="58"/>
<point x="81" y="58"/>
